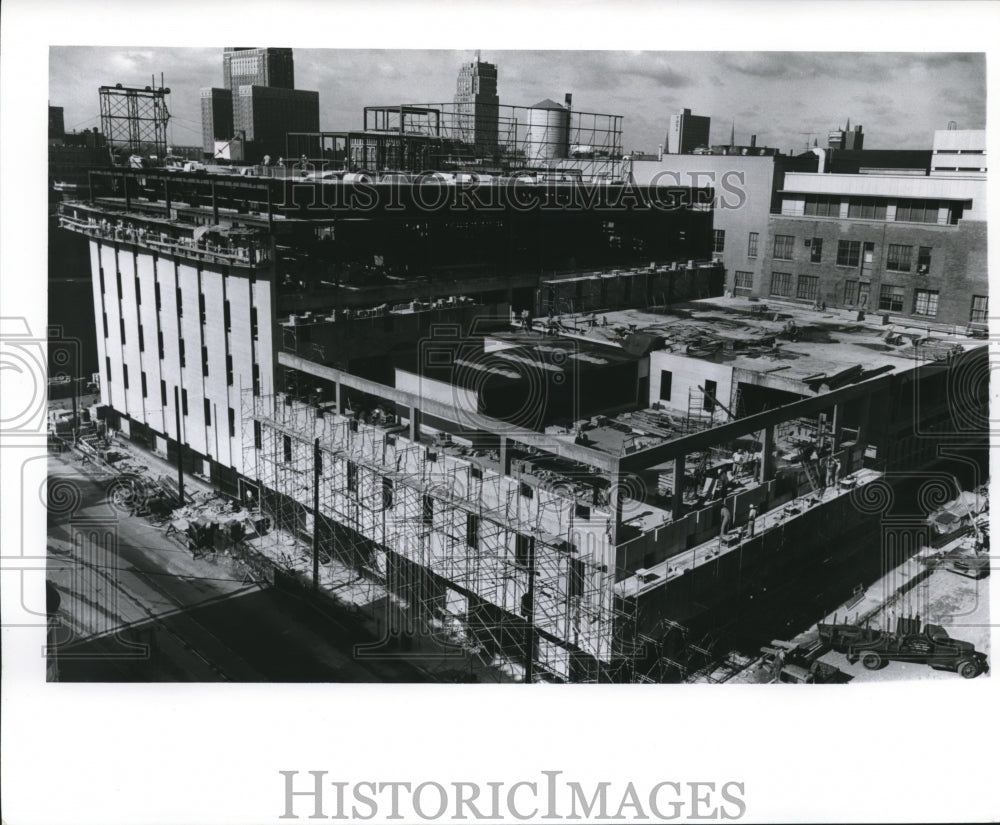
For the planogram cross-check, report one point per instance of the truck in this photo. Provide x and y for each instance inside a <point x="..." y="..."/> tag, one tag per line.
<point x="929" y="644"/>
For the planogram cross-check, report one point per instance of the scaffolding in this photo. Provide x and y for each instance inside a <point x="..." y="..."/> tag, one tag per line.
<point x="436" y="544"/>
<point x="135" y="119"/>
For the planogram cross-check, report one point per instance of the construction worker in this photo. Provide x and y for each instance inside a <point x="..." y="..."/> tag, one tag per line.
<point x="751" y="520"/>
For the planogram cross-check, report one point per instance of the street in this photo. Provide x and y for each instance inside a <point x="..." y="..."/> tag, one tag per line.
<point x="136" y="606"/>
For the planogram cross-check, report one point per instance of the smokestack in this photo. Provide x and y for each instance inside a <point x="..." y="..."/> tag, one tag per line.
<point x="569" y="100"/>
<point x="753" y="140"/>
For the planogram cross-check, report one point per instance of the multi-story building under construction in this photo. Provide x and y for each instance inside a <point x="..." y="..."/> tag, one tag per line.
<point x="515" y="417"/>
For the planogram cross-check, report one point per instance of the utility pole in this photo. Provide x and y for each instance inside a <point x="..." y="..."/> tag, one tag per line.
<point x="180" y="447"/>
<point x="529" y="627"/>
<point x="315" y="536"/>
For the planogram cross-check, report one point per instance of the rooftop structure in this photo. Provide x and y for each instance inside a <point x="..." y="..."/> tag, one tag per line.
<point x="548" y="137"/>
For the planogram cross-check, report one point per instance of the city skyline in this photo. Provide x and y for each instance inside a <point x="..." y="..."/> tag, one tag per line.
<point x="786" y="99"/>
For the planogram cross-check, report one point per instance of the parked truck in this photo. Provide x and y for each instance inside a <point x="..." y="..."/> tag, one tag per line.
<point x="930" y="645"/>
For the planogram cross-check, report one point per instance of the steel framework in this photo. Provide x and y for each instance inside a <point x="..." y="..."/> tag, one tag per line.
<point x="135" y="118"/>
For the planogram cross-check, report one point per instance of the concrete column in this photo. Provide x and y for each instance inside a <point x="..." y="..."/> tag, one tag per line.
<point x="766" y="460"/>
<point x="336" y="390"/>
<point x="504" y="456"/>
<point x="835" y="426"/>
<point x="414" y="424"/>
<point x="678" y="502"/>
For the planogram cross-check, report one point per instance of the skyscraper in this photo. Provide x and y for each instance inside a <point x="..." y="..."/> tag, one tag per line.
<point x="259" y="105"/>
<point x="477" y="104"/>
<point x="242" y="66"/>
<point x="686" y="133"/>
<point x="846" y="139"/>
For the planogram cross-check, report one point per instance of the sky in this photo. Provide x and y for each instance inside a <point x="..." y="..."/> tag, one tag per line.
<point x="785" y="98"/>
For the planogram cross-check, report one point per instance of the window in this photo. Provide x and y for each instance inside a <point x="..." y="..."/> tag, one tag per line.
<point x="891" y="298"/>
<point x="142" y="339"/>
<point x="256" y="379"/>
<point x="232" y="423"/>
<point x="807" y="287"/>
<point x="850" y="292"/>
<point x="822" y="206"/>
<point x="156" y="294"/>
<point x="163" y="393"/>
<point x="227" y="316"/>
<point x="917" y="211"/>
<point x="107" y="368"/>
<point x="184" y="402"/>
<point x="781" y="284"/>
<point x="711" y="388"/>
<point x="229" y="370"/>
<point x="523" y="550"/>
<point x="208" y="412"/>
<point x="718" y="240"/>
<point x="386" y="492"/>
<point x="253" y="322"/>
<point x="352" y="477"/>
<point x="666" y="383"/>
<point x="182" y="353"/>
<point x="105" y="316"/>
<point x="121" y="328"/>
<point x="125" y="375"/>
<point x="118" y="281"/>
<point x="743" y="283"/>
<point x="816" y="251"/>
<point x="180" y="303"/>
<point x="923" y="260"/>
<point x="752" y="244"/>
<point x="159" y="343"/>
<point x="472" y="530"/>
<point x="145" y="391"/>
<point x="427" y="514"/>
<point x="258" y="435"/>
<point x="867" y="208"/>
<point x="101" y="272"/>
<point x="286" y="447"/>
<point x="204" y="361"/>
<point x="898" y="257"/>
<point x="978" y="314"/>
<point x="201" y="306"/>
<point x="925" y="302"/>
<point x="848" y="253"/>
<point x="138" y="290"/>
<point x="783" y="246"/>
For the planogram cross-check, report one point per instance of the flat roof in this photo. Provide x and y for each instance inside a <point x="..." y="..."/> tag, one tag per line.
<point x="749" y="336"/>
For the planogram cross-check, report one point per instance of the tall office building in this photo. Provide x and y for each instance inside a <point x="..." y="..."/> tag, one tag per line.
<point x="263" y="115"/>
<point x="477" y="104"/>
<point x="249" y="118"/>
<point x="686" y="133"/>
<point x="845" y="139"/>
<point x="258" y="67"/>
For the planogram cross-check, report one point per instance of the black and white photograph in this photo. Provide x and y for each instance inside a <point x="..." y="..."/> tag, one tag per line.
<point x="430" y="370"/>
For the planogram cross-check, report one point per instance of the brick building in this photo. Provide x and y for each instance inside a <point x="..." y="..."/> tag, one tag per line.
<point x="899" y="245"/>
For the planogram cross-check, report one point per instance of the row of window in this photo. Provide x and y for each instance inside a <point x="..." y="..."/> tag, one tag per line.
<point x="163" y="396"/>
<point x="909" y="210"/>
<point x="856" y="293"/>
<point x="898" y="257"/>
